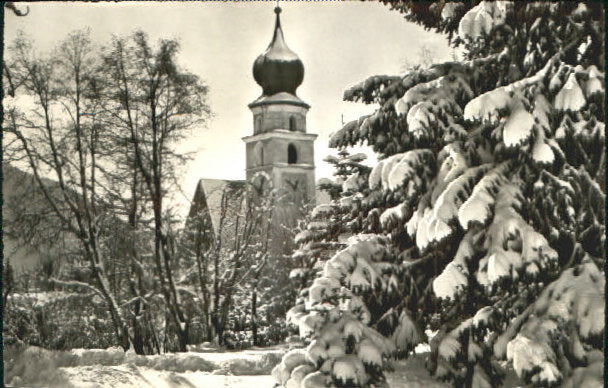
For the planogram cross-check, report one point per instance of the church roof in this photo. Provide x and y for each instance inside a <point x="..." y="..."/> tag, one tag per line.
<point x="278" y="69"/>
<point x="279" y="98"/>
<point x="212" y="195"/>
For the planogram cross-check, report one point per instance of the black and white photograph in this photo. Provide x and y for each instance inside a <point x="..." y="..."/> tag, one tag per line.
<point x="303" y="194"/>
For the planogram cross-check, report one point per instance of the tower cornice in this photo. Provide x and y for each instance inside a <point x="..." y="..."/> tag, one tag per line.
<point x="277" y="99"/>
<point x="281" y="134"/>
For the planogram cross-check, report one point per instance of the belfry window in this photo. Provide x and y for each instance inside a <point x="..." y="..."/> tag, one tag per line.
<point x="292" y="123"/>
<point x="292" y="154"/>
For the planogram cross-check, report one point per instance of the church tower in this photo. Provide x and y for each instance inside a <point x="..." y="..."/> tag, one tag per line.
<point x="280" y="148"/>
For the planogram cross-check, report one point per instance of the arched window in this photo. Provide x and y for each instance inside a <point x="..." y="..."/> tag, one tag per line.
<point x="258" y="124"/>
<point x="292" y="123"/>
<point x="292" y="154"/>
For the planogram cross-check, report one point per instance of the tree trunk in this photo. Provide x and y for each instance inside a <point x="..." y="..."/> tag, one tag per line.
<point x="8" y="281"/>
<point x="122" y="330"/>
<point x="254" y="317"/>
<point x="138" y="341"/>
<point x="155" y="342"/>
<point x="218" y="330"/>
<point x="184" y="338"/>
<point x="202" y="279"/>
<point x="225" y="309"/>
<point x="163" y="261"/>
<point x="216" y="299"/>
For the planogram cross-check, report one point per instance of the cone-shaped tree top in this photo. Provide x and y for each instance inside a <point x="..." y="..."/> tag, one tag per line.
<point x="278" y="69"/>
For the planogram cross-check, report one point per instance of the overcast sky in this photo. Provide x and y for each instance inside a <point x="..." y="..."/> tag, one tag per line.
<point x="340" y="44"/>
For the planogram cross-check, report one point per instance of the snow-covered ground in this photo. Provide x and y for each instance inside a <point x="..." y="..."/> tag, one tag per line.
<point x="201" y="367"/>
<point x="130" y="376"/>
<point x="412" y="373"/>
<point x="112" y="368"/>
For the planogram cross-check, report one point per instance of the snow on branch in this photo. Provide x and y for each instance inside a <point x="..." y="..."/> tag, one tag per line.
<point x="453" y="279"/>
<point x="574" y="303"/>
<point x="512" y="244"/>
<point x="407" y="334"/>
<point x="76" y="284"/>
<point x="446" y="89"/>
<point x="393" y="172"/>
<point x="477" y="208"/>
<point x="434" y="225"/>
<point x="483" y="18"/>
<point x="570" y="97"/>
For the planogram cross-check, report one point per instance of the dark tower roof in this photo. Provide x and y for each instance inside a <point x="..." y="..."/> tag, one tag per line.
<point x="278" y="69"/>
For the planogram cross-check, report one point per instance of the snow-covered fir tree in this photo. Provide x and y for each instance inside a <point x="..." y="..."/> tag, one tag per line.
<point x="328" y="225"/>
<point x="483" y="219"/>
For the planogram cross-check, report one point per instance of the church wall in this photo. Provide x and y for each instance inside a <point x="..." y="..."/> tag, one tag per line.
<point x="257" y="154"/>
<point x="305" y="176"/>
<point x="278" y="150"/>
<point x="275" y="151"/>
<point x="267" y="118"/>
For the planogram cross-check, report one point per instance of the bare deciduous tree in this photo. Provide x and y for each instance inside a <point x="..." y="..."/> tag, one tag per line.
<point x="58" y="137"/>
<point x="98" y="130"/>
<point x="155" y="103"/>
<point x="230" y="256"/>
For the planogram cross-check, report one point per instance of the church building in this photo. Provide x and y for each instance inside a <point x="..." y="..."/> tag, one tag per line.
<point x="280" y="146"/>
<point x="279" y="152"/>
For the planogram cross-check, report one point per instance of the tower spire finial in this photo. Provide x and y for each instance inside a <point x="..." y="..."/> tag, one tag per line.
<point x="277" y="24"/>
<point x="278" y="69"/>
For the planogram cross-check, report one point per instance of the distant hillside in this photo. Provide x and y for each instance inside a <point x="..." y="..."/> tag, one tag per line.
<point x="30" y="231"/>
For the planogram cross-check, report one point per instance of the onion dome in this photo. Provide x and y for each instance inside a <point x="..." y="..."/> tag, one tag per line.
<point x="278" y="69"/>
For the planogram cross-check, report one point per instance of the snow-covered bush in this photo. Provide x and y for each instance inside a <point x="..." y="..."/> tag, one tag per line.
<point x="57" y="320"/>
<point x="32" y="366"/>
<point x="484" y="217"/>
<point x="19" y="326"/>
